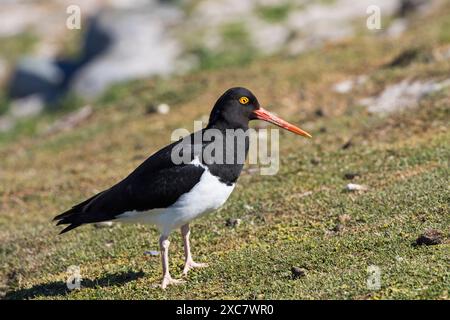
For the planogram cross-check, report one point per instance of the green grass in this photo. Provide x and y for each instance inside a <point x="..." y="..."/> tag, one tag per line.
<point x="235" y="50"/>
<point x="14" y="46"/>
<point x="275" y="13"/>
<point x="403" y="158"/>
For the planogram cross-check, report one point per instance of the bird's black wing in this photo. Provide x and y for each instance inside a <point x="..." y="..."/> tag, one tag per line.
<point x="156" y="183"/>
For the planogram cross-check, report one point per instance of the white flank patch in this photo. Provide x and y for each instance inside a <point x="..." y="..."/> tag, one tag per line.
<point x="207" y="195"/>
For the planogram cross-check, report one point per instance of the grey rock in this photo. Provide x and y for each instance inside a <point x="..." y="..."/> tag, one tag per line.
<point x="318" y="23"/>
<point x="127" y="44"/>
<point x="405" y="94"/>
<point x="298" y="272"/>
<point x="152" y="253"/>
<point x="28" y="106"/>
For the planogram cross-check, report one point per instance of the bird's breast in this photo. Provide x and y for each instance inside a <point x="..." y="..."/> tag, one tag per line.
<point x="207" y="195"/>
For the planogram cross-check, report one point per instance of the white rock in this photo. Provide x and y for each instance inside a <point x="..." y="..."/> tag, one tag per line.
<point x="152" y="253"/>
<point x="405" y="94"/>
<point x="347" y="85"/>
<point x="355" y="187"/>
<point x="104" y="224"/>
<point x="397" y="28"/>
<point x="163" y="108"/>
<point x="343" y="86"/>
<point x="141" y="46"/>
<point x="27" y="107"/>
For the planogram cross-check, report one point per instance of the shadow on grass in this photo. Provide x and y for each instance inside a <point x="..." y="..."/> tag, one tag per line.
<point x="57" y="288"/>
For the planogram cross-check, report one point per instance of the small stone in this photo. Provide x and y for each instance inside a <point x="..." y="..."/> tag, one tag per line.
<point x="347" y="145"/>
<point x="104" y="224"/>
<point x="163" y="108"/>
<point x="344" y="86"/>
<point x="109" y="244"/>
<point x="351" y="175"/>
<point x="298" y="272"/>
<point x="355" y="187"/>
<point x="319" y="113"/>
<point x="233" y="222"/>
<point x="315" y="161"/>
<point x="429" y="237"/>
<point x="152" y="253"/>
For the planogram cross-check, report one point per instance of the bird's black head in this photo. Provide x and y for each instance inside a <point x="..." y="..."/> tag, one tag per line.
<point x="237" y="106"/>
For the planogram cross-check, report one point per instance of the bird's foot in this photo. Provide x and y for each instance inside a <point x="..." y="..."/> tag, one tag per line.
<point x="167" y="280"/>
<point x="191" y="264"/>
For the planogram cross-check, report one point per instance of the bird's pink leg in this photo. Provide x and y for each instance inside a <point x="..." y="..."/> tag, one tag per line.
<point x="188" y="262"/>
<point x="164" y="247"/>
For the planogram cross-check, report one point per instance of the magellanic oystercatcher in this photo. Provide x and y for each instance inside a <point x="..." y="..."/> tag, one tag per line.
<point x="170" y="194"/>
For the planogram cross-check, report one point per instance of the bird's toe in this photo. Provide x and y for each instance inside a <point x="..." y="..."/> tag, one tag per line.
<point x="168" y="280"/>
<point x="192" y="264"/>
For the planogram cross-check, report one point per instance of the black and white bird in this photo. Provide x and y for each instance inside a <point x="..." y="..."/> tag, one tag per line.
<point x="170" y="194"/>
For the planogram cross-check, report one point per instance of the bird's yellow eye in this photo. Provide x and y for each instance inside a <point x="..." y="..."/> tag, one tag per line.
<point x="243" y="100"/>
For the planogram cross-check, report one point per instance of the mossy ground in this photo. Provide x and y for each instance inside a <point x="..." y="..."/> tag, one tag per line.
<point x="287" y="219"/>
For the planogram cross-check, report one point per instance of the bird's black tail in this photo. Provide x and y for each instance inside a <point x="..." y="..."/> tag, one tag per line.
<point x="69" y="217"/>
<point x="75" y="216"/>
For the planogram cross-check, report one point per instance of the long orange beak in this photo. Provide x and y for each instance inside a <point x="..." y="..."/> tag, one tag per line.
<point x="265" y="115"/>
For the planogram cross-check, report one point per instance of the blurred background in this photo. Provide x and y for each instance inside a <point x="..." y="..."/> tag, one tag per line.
<point x="54" y="56"/>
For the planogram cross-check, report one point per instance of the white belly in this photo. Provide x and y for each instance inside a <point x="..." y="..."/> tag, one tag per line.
<point x="206" y="196"/>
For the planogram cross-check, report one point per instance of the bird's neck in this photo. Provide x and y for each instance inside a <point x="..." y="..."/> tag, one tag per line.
<point x="235" y="146"/>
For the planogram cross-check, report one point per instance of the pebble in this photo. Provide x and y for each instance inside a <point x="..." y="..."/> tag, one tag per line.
<point x="351" y="175"/>
<point x="152" y="253"/>
<point x="163" y="108"/>
<point x="347" y="145"/>
<point x="355" y="187"/>
<point x="233" y="222"/>
<point x="298" y="272"/>
<point x="429" y="237"/>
